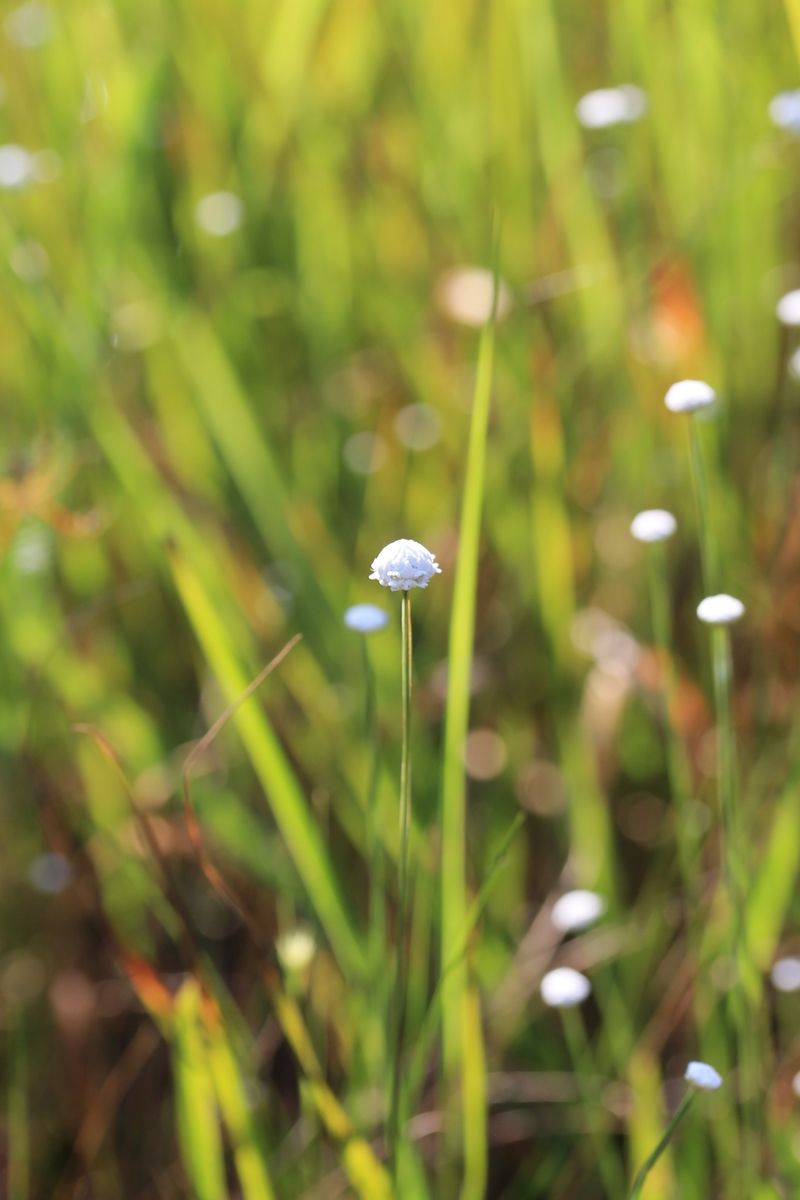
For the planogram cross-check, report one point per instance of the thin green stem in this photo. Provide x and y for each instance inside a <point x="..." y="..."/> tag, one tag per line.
<point x="424" y="1042"/>
<point x="708" y="553"/>
<point x="377" y="878"/>
<point x="402" y="886"/>
<point x="678" y="768"/>
<point x="742" y="1017"/>
<point x="606" y="1161"/>
<point x="655" y="1155"/>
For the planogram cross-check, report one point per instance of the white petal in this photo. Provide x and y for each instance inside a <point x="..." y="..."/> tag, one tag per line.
<point x="564" y="987"/>
<point x="653" y="525"/>
<point x="689" y="395"/>
<point x="720" y="610"/>
<point x="703" y="1076"/>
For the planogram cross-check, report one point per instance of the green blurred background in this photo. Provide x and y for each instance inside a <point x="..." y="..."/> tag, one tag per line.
<point x="239" y="324"/>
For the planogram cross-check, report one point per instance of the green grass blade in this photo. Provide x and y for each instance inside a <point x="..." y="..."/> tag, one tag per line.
<point x="280" y="784"/>
<point x="251" y="1167"/>
<point x="462" y="633"/>
<point x="195" y="1105"/>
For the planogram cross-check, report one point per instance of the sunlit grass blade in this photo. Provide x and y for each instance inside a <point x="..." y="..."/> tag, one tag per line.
<point x="368" y="1175"/>
<point x="195" y="1099"/>
<point x="475" y="1100"/>
<point x="281" y="787"/>
<point x="235" y="1108"/>
<point x="460" y="651"/>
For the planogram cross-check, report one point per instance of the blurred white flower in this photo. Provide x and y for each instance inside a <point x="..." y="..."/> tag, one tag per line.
<point x="365" y="618"/>
<point x="296" y="948"/>
<point x="29" y="25"/>
<point x="564" y="987"/>
<point x="219" y="213"/>
<point x="29" y="261"/>
<point x="484" y="754"/>
<point x="577" y="910"/>
<point x="703" y="1077"/>
<point x="32" y="551"/>
<point x="465" y="295"/>
<point x="787" y="310"/>
<point x="50" y="873"/>
<point x="364" y="453"/>
<point x="720" y="610"/>
<point x="418" y="426"/>
<point x="136" y="325"/>
<point x="46" y="166"/>
<point x="605" y="107"/>
<point x="784" y="111"/>
<point x="404" y="564"/>
<point x="794" y="365"/>
<point x="689" y="395"/>
<point x="653" y="525"/>
<point x="16" y="166"/>
<point x="785" y="975"/>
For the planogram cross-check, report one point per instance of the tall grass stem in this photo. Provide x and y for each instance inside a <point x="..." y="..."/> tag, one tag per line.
<point x="655" y="1155"/>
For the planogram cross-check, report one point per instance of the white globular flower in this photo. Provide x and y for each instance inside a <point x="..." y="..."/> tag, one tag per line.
<point x="296" y="948"/>
<point x="720" y="610"/>
<point x="564" y="987"/>
<point x="653" y="525"/>
<point x="785" y="974"/>
<point x="787" y="310"/>
<point x="605" y="107"/>
<point x="404" y="564"/>
<point x="703" y="1077"/>
<point x="577" y="910"/>
<point x="689" y="395"/>
<point x="784" y="111"/>
<point x="366" y="618"/>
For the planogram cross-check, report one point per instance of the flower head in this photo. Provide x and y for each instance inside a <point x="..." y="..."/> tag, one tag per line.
<point x="564" y="988"/>
<point x="785" y="974"/>
<point x="653" y="525"/>
<point x="366" y="618"/>
<point x="784" y="111"/>
<point x="703" y="1077"/>
<point x="611" y="106"/>
<point x="404" y="564"/>
<point x="577" y="910"/>
<point x="720" y="610"/>
<point x="787" y="310"/>
<point x="689" y="395"/>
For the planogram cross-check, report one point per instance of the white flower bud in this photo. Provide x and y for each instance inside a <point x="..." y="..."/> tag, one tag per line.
<point x="577" y="910"/>
<point x="564" y="988"/>
<point x="653" y="525"/>
<point x="606" y="107"/>
<point x="703" y="1077"/>
<point x="784" y="111"/>
<point x="689" y="395"/>
<point x="787" y="310"/>
<point x="404" y="564"/>
<point x="785" y="975"/>
<point x="366" y="618"/>
<point x="720" y="610"/>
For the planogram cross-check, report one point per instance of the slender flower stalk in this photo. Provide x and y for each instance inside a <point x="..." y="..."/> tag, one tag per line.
<point x="720" y="612"/>
<point x="565" y="989"/>
<point x="368" y="619"/>
<point x="702" y="1078"/>
<point x="400" y="566"/>
<point x="692" y="396"/>
<point x="654" y="527"/>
